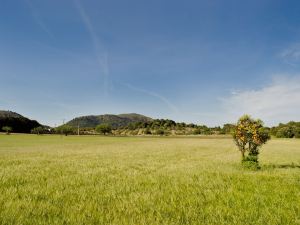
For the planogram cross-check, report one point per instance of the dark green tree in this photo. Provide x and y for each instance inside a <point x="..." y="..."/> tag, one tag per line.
<point x="103" y="129"/>
<point x="7" y="129"/>
<point x="285" y="132"/>
<point x="160" y="132"/>
<point x="147" y="131"/>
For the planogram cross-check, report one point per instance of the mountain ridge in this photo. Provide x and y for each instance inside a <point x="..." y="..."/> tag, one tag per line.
<point x="18" y="122"/>
<point x="115" y="120"/>
<point x="7" y="113"/>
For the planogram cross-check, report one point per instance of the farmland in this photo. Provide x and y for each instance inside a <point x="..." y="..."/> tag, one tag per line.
<point x="145" y="180"/>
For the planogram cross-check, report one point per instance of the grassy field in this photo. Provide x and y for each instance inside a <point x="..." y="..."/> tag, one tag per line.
<point x="132" y="180"/>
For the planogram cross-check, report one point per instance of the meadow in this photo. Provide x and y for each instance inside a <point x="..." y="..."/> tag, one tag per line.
<point x="140" y="180"/>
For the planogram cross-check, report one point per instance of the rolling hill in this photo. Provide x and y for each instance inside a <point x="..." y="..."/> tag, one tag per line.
<point x="116" y="121"/>
<point x="17" y="122"/>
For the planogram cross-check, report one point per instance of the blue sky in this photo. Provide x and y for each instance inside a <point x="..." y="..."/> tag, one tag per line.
<point x="206" y="62"/>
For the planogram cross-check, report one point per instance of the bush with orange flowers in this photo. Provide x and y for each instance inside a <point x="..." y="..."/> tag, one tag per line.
<point x="249" y="135"/>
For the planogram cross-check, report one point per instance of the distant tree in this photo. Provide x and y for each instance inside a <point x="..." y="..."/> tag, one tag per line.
<point x="38" y="130"/>
<point x="205" y="130"/>
<point x="104" y="129"/>
<point x="168" y="124"/>
<point x="285" y="132"/>
<point x="249" y="135"/>
<point x="160" y="132"/>
<point x="228" y="128"/>
<point x="147" y="131"/>
<point x="288" y="130"/>
<point x="65" y="129"/>
<point x="192" y="125"/>
<point x="197" y="131"/>
<point x="297" y="132"/>
<point x="131" y="126"/>
<point x="7" y="129"/>
<point x="215" y="130"/>
<point x="180" y="126"/>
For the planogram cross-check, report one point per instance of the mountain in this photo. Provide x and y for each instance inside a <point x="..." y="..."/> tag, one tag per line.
<point x="116" y="121"/>
<point x="17" y="122"/>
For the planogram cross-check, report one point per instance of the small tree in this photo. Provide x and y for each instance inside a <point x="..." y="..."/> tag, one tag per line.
<point x="249" y="135"/>
<point x="228" y="128"/>
<point x="7" y="129"/>
<point x="103" y="129"/>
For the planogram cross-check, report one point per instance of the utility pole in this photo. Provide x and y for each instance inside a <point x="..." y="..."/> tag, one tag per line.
<point x="61" y="133"/>
<point x="78" y="129"/>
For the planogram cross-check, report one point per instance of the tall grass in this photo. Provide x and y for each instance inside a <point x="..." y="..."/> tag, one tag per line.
<point x="111" y="180"/>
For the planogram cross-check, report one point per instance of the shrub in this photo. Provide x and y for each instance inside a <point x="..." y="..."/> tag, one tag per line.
<point x="297" y="132"/>
<point x="160" y="132"/>
<point x="251" y="162"/>
<point x="249" y="135"/>
<point x="7" y="129"/>
<point x="285" y="132"/>
<point x="103" y="129"/>
<point x="197" y="131"/>
<point x="147" y="131"/>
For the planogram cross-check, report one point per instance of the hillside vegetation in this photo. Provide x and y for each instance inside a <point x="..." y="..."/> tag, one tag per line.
<point x="17" y="122"/>
<point x="170" y="127"/>
<point x="133" y="124"/>
<point x="116" y="121"/>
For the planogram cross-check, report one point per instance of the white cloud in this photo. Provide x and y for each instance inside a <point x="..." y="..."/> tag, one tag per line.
<point x="277" y="102"/>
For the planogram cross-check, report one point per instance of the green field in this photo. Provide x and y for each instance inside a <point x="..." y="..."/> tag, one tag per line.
<point x="133" y="180"/>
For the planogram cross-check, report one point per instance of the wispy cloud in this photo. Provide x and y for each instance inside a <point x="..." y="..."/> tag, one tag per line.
<point x="85" y="59"/>
<point x="274" y="103"/>
<point x="155" y="95"/>
<point x="291" y="55"/>
<point x="37" y="18"/>
<point x="101" y="54"/>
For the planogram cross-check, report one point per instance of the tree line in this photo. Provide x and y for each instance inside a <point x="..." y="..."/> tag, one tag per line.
<point x="168" y="127"/>
<point x="288" y="130"/>
<point x="154" y="127"/>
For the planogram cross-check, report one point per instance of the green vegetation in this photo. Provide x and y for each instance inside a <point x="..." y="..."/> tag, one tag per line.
<point x="103" y="129"/>
<point x="53" y="179"/>
<point x="132" y="124"/>
<point x="41" y="130"/>
<point x="289" y="130"/>
<point x="135" y="124"/>
<point x="7" y="129"/>
<point x="249" y="135"/>
<point x="116" y="121"/>
<point x="17" y="122"/>
<point x="170" y="127"/>
<point x="65" y="129"/>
